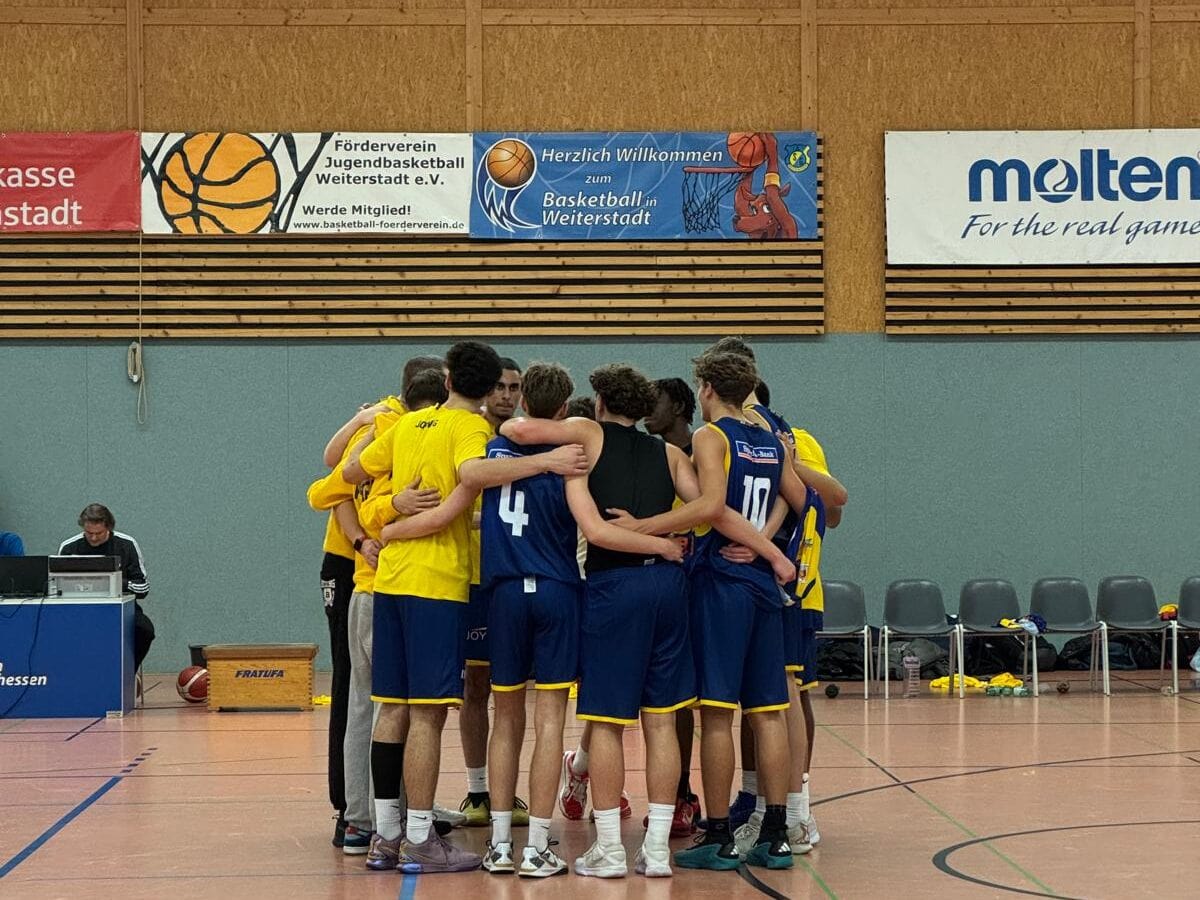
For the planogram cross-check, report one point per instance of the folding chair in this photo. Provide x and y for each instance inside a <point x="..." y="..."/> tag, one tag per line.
<point x="981" y="604"/>
<point x="1125" y="603"/>
<point x="1067" y="609"/>
<point x="913" y="609"/>
<point x="846" y="619"/>
<point x="1186" y="619"/>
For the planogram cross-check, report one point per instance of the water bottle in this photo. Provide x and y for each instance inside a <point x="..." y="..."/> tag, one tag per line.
<point x="912" y="675"/>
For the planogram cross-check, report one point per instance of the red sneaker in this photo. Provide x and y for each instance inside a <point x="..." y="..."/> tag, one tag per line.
<point x="572" y="800"/>
<point x="626" y="810"/>
<point x="683" y="824"/>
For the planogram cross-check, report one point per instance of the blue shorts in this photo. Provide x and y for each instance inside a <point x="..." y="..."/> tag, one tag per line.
<point x="534" y="628"/>
<point x="634" y="653"/>
<point x="417" y="650"/>
<point x="477" y="626"/>
<point x="739" y="647"/>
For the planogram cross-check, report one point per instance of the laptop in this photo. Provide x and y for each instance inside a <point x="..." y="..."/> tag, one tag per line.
<point x="24" y="576"/>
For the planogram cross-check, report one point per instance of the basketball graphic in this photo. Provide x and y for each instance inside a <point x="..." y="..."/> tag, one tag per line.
<point x="217" y="183"/>
<point x="510" y="163"/>
<point x="747" y="148"/>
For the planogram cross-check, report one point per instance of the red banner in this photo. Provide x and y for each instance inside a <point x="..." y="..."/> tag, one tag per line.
<point x="86" y="181"/>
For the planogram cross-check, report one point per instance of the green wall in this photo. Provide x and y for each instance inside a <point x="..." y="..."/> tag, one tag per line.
<point x="963" y="458"/>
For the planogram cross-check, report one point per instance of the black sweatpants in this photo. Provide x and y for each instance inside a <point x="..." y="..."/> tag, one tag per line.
<point x="337" y="584"/>
<point x="143" y="635"/>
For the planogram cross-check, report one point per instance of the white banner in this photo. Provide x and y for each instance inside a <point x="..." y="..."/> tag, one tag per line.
<point x="239" y="183"/>
<point x="1042" y="197"/>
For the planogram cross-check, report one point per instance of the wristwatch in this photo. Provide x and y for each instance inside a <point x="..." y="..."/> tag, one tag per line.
<point x="358" y="542"/>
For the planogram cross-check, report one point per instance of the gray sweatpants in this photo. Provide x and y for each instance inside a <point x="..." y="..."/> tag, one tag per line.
<point x="360" y="716"/>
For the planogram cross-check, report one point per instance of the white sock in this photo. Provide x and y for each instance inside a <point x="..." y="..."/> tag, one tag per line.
<point x="501" y="827"/>
<point x="419" y="823"/>
<point x="608" y="827"/>
<point x="795" y="809"/>
<point x="389" y="819"/>
<point x="658" y="829"/>
<point x="477" y="780"/>
<point x="539" y="833"/>
<point x="760" y="805"/>
<point x="804" y="797"/>
<point x="750" y="782"/>
<point x="579" y="762"/>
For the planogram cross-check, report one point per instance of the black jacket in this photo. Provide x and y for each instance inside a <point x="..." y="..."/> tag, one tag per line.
<point x="122" y="546"/>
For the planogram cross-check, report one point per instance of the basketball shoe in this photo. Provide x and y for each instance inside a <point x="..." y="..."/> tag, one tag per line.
<point x="384" y="855"/>
<point x="602" y="862"/>
<point x="436" y="854"/>
<point x="541" y="863"/>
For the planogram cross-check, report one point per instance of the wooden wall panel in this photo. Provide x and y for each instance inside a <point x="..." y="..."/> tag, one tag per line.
<point x="877" y="79"/>
<point x="669" y="78"/>
<point x="753" y="5"/>
<point x="62" y="77"/>
<point x="1175" y="74"/>
<point x="305" y="79"/>
<point x="392" y="5"/>
<point x="1063" y="5"/>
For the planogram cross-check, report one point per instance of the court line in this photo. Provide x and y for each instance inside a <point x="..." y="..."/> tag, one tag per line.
<point x="408" y="887"/>
<point x="58" y="826"/>
<point x="1029" y="876"/>
<point x="940" y="858"/>
<point x="751" y="879"/>
<point x="84" y="728"/>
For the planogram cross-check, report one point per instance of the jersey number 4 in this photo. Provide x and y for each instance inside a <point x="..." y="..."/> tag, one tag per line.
<point x="755" y="492"/>
<point x="512" y="509"/>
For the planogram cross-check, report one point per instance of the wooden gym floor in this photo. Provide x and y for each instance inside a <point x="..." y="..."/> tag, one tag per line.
<point x="1067" y="796"/>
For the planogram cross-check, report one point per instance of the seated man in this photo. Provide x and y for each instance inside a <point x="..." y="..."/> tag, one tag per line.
<point x="99" y="539"/>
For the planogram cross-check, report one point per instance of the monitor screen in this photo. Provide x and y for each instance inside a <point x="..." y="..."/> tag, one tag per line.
<point x="24" y="576"/>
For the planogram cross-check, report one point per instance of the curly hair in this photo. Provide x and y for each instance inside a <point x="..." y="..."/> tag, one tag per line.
<point x="545" y="387"/>
<point x="731" y="376"/>
<point x="732" y="344"/>
<point x="474" y="369"/>
<point x="624" y="390"/>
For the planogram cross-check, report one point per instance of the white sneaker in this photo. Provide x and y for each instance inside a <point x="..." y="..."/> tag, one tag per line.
<point x="452" y="816"/>
<point x="602" y="862"/>
<point x="746" y="836"/>
<point x="652" y="863"/>
<point x="541" y="863"/>
<point x="814" y="836"/>
<point x="798" y="837"/>
<point x="498" y="859"/>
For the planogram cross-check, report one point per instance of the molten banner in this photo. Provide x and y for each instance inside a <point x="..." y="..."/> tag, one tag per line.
<point x="84" y="181"/>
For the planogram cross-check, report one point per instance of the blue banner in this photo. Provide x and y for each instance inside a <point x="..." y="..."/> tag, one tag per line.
<point x="645" y="186"/>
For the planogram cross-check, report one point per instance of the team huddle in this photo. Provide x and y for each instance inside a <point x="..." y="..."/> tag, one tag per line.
<point x="657" y="572"/>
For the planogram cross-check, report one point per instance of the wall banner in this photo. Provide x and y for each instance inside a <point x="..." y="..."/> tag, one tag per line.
<point x="645" y="186"/>
<point x="54" y="181"/>
<point x="327" y="182"/>
<point x="1043" y="197"/>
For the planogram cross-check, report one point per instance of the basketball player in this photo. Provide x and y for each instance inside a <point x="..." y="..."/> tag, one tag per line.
<point x="418" y="651"/>
<point x="737" y="625"/>
<point x="530" y="566"/>
<point x="498" y="407"/>
<point x="801" y="624"/>
<point x="634" y="653"/>
<point x="672" y="421"/>
<point x="352" y="506"/>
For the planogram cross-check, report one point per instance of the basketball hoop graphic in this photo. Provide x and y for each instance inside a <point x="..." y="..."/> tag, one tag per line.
<point x="503" y="174"/>
<point x="760" y="216"/>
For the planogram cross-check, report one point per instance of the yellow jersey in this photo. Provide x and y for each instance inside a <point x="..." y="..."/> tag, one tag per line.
<point x="429" y="445"/>
<point x="808" y="588"/>
<point x="328" y="492"/>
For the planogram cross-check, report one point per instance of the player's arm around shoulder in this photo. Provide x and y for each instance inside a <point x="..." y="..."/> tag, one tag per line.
<point x="605" y="534"/>
<point x="575" y="430"/>
<point x="708" y="449"/>
<point x="433" y="520"/>
<point x="683" y="473"/>
<point x="481" y="473"/>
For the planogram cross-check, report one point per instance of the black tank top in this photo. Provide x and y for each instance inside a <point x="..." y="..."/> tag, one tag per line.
<point x="633" y="474"/>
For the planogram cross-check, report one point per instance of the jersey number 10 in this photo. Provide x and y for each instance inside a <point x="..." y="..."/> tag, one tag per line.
<point x="512" y="509"/>
<point x="754" y="500"/>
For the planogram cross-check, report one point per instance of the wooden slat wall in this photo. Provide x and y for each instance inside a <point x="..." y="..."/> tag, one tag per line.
<point x="290" y="287"/>
<point x="1043" y="299"/>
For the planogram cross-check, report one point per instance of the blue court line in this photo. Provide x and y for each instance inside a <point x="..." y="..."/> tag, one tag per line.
<point x="58" y="826"/>
<point x="408" y="887"/>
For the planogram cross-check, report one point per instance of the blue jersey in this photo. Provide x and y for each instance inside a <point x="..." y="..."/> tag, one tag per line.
<point x="754" y="458"/>
<point x="526" y="528"/>
<point x="783" y="431"/>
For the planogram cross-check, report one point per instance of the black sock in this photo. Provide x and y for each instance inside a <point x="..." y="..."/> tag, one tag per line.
<point x="774" y="824"/>
<point x="684" y="791"/>
<point x="718" y="831"/>
<point x="387" y="769"/>
<point x="477" y="797"/>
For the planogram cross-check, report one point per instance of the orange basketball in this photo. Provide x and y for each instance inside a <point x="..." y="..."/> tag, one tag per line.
<point x="193" y="684"/>
<point x="747" y="148"/>
<point x="510" y="163"/>
<point x="214" y="183"/>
